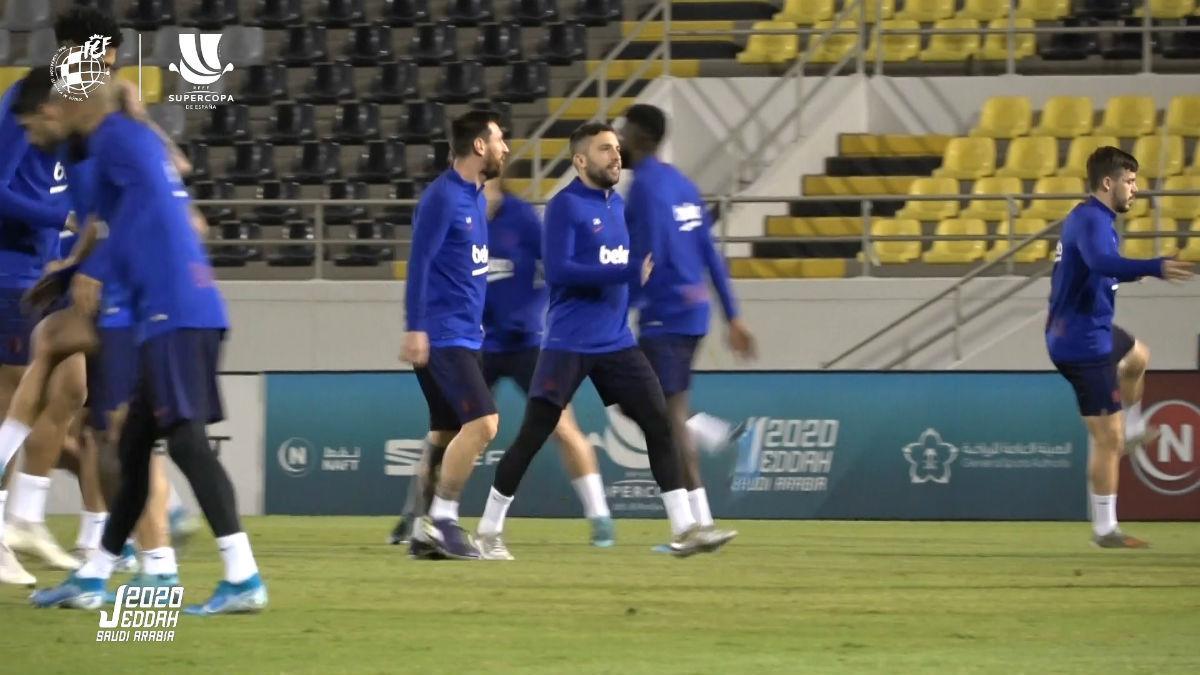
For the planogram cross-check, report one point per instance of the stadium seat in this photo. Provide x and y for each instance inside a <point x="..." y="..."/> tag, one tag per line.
<point x="212" y="14"/>
<point x="340" y="13"/>
<point x="227" y="124"/>
<point x="958" y="251"/>
<point x="305" y="46"/>
<point x="400" y="215"/>
<point x="1184" y="208"/>
<point x="223" y="252"/>
<point x="197" y="154"/>
<point x="984" y="10"/>
<point x="1191" y="245"/>
<point x="344" y="215"/>
<point x="294" y="255"/>
<point x="1129" y="45"/>
<point x="771" y="48"/>
<point x="317" y="163"/>
<point x="405" y="13"/>
<point x="534" y="12"/>
<point x="243" y="46"/>
<point x="1071" y="46"/>
<point x="1183" y="116"/>
<point x="436" y="160"/>
<point x="394" y="83"/>
<point x="926" y="11"/>
<point x="150" y="80"/>
<point x="251" y="163"/>
<point x="276" y="14"/>
<point x="1030" y="157"/>
<point x="366" y="255"/>
<point x="877" y="10"/>
<point x="470" y="12"/>
<point x="106" y="6"/>
<point x="992" y="209"/>
<point x="144" y="15"/>
<point x="356" y="123"/>
<point x="461" y="82"/>
<point x="1043" y="10"/>
<point x="292" y="124"/>
<point x="893" y="252"/>
<point x="329" y="83"/>
<point x="381" y="162"/>
<point x="498" y="44"/>
<point x="968" y="158"/>
<point x="563" y="43"/>
<point x="1171" y="10"/>
<point x="39" y="48"/>
<point x="597" y="12"/>
<point x="833" y="47"/>
<point x="276" y="214"/>
<point x="5" y="46"/>
<point x="1129" y="117"/>
<point x="369" y="46"/>
<point x="805" y="12"/>
<point x="423" y="121"/>
<point x="953" y="47"/>
<point x="128" y="51"/>
<point x="1054" y="209"/>
<point x="1141" y="205"/>
<point x="1080" y="149"/>
<point x="1159" y="156"/>
<point x="171" y="118"/>
<point x="1066" y="117"/>
<point x="1155" y="247"/>
<point x="434" y="44"/>
<point x="1004" y="117"/>
<point x="995" y="45"/>
<point x="931" y="210"/>
<point x="1194" y="169"/>
<point x="23" y="17"/>
<point x="205" y="190"/>
<point x="525" y="82"/>
<point x="1104" y="10"/>
<point x="263" y="85"/>
<point x="1183" y="45"/>
<point x="165" y="50"/>
<point x="897" y="47"/>
<point x="1035" y="251"/>
<point x="10" y="76"/>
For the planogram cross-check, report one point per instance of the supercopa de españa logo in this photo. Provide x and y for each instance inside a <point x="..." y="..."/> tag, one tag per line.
<point x="142" y="614"/>
<point x="78" y="70"/>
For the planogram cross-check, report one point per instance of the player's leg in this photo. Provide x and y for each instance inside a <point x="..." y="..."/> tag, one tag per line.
<point x="11" y="570"/>
<point x="153" y="532"/>
<point x="1132" y="358"/>
<point x="94" y="511"/>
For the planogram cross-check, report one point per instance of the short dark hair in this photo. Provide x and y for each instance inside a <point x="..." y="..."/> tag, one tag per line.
<point x="586" y="132"/>
<point x="650" y="120"/>
<point x="78" y="24"/>
<point x="468" y="127"/>
<point x="35" y="91"/>
<point x="1108" y="162"/>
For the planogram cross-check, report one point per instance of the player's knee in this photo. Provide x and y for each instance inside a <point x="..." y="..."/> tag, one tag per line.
<point x="1136" y="361"/>
<point x="440" y="439"/>
<point x="484" y="428"/>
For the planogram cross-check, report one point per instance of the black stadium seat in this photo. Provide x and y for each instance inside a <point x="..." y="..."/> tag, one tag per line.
<point x="563" y="43"/>
<point x="275" y="14"/>
<point x="294" y="255"/>
<point x="1070" y="46"/>
<point x="212" y="14"/>
<point x="317" y="163"/>
<point x="525" y="82"/>
<point x="356" y="123"/>
<point x="227" y="124"/>
<point x="344" y="215"/>
<point x="597" y="12"/>
<point x="424" y="121"/>
<point x="381" y="162"/>
<point x="498" y="44"/>
<point x="262" y="85"/>
<point x="406" y="13"/>
<point x="434" y="44"/>
<point x="329" y="83"/>
<point x="369" y="46"/>
<point x="340" y="13"/>
<point x="277" y="215"/>
<point x="251" y="163"/>
<point x="149" y="15"/>
<point x="470" y="12"/>
<point x="461" y="81"/>
<point x="534" y="12"/>
<point x="305" y="46"/>
<point x="292" y="124"/>
<point x="395" y="83"/>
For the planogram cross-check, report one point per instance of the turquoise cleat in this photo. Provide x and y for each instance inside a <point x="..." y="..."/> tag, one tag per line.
<point x="128" y="562"/>
<point x="603" y="535"/>
<point x="183" y="525"/>
<point x="75" y="593"/>
<point x="229" y="598"/>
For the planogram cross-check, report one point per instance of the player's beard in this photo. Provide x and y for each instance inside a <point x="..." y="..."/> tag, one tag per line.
<point x="599" y="176"/>
<point x="1123" y="205"/>
<point x="493" y="165"/>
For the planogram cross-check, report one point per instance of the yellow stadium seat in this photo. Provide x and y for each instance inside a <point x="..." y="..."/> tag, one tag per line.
<point x="1141" y="205"/>
<point x="771" y="48"/>
<point x="831" y="48"/>
<point x="995" y="45"/>
<point x="1005" y="117"/>
<point x="787" y="268"/>
<point x="891" y="252"/>
<point x="932" y="209"/>
<point x="151" y="81"/>
<point x="1129" y="116"/>
<point x="876" y="10"/>
<point x="926" y="11"/>
<point x="1185" y="208"/>
<point x="968" y="159"/>
<point x="9" y="76"/>
<point x="897" y="47"/>
<point x="1030" y="157"/>
<point x="1170" y="9"/>
<point x="959" y="250"/>
<point x="1080" y="149"/>
<point x="1194" y="169"/>
<point x="653" y="30"/>
<point x="1183" y="116"/>
<point x="1167" y="245"/>
<point x="1054" y="209"/>
<point x="806" y="12"/>
<point x="586" y="107"/>
<point x="1043" y="10"/>
<point x="953" y="47"/>
<point x="992" y="209"/>
<point x="1066" y="117"/>
<point x="1191" y="246"/>
<point x="1159" y="156"/>
<point x="1033" y="252"/>
<point x="984" y="10"/>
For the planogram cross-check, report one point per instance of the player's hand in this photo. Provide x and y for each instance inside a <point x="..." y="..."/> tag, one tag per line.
<point x="182" y="164"/>
<point x="416" y="348"/>
<point x="56" y="265"/>
<point x="1176" y="270"/>
<point x="647" y="268"/>
<point x="127" y="97"/>
<point x="85" y="294"/>
<point x="741" y="340"/>
<point x="71" y="224"/>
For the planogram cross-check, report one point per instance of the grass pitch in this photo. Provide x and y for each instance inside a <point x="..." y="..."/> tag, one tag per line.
<point x="785" y="597"/>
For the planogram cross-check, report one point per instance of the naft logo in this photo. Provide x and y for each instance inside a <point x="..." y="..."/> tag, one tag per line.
<point x="623" y="441"/>
<point x="295" y="456"/>
<point x="929" y="459"/>
<point x="1168" y="466"/>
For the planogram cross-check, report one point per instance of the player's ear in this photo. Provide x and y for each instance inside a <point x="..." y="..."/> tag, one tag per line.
<point x="480" y="146"/>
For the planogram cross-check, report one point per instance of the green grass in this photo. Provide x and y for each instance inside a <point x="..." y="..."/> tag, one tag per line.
<point x="785" y="597"/>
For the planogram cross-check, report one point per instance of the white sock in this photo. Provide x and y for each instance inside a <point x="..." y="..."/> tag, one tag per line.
<point x="1134" y="424"/>
<point x="1104" y="514"/>
<point x="698" y="500"/>
<point x="708" y="433"/>
<point x="494" y="512"/>
<point x="12" y="435"/>
<point x="679" y="511"/>
<point x="239" y="559"/>
<point x="91" y="526"/>
<point x="160" y="561"/>
<point x="3" y="517"/>
<point x="174" y="501"/>
<point x="29" y="504"/>
<point x="443" y="509"/>
<point x="99" y="564"/>
<point x="590" y="489"/>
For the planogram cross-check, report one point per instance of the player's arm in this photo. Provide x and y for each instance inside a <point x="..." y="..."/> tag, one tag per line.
<point x="645" y="240"/>
<point x="430" y="226"/>
<point x="1098" y="248"/>
<point x="14" y="206"/>
<point x="126" y="95"/>
<point x="741" y="340"/>
<point x="558" y="247"/>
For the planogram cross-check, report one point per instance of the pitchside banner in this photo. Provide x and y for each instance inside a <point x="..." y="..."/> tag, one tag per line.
<point x="816" y="445"/>
<point x="1161" y="480"/>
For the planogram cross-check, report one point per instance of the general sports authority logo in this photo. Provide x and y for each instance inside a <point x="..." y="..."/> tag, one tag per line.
<point x="929" y="459"/>
<point x="78" y="70"/>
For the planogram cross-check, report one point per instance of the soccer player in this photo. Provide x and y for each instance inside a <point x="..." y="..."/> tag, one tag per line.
<point x="1104" y="364"/>
<point x="513" y="321"/>
<point x="443" y="304"/>
<point x="667" y="219"/>
<point x="585" y="252"/>
<point x="180" y="319"/>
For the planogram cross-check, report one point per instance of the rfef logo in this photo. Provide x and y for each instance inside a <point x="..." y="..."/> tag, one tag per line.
<point x="1168" y="465"/>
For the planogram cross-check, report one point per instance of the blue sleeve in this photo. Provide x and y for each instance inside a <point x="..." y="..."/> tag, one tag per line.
<point x="430" y="225"/>
<point x="14" y="205"/>
<point x="558" y="246"/>
<point x="80" y="179"/>
<point x="98" y="264"/>
<point x="718" y="272"/>
<point x="644" y="238"/>
<point x="1099" y="251"/>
